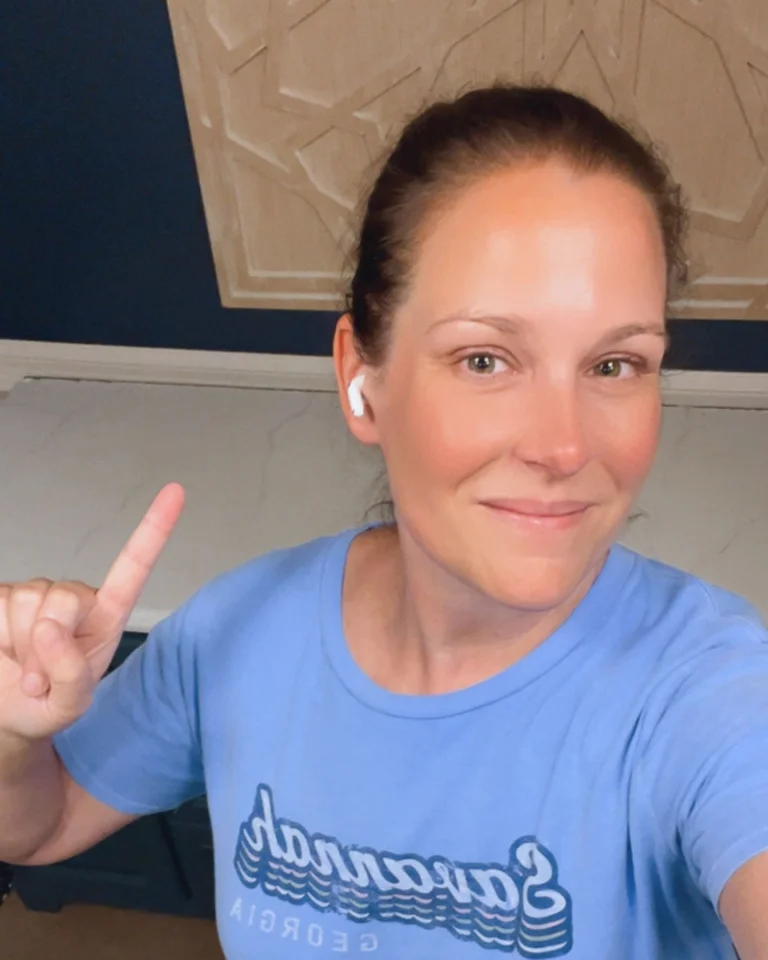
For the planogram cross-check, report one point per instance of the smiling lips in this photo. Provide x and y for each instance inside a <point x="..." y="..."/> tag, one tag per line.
<point x="554" y="515"/>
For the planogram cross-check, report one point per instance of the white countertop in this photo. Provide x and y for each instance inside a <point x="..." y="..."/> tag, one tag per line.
<point x="81" y="461"/>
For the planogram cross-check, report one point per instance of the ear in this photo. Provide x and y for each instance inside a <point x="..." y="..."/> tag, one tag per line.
<point x="348" y="364"/>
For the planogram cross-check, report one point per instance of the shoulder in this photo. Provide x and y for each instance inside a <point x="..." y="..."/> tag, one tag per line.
<point x="693" y="608"/>
<point x="706" y="641"/>
<point x="277" y="580"/>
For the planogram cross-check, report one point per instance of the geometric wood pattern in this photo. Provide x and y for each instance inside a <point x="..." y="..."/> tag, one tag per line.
<point x="292" y="103"/>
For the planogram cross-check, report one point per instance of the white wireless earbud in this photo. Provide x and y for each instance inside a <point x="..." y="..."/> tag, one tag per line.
<point x="355" y="395"/>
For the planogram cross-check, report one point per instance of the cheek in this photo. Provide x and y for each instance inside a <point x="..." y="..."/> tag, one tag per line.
<point x="438" y="440"/>
<point x="629" y="449"/>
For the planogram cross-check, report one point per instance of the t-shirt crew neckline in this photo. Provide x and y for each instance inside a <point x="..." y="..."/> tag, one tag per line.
<point x="589" y="618"/>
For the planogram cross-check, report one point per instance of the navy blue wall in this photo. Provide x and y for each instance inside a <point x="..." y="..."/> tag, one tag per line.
<point x="102" y="234"/>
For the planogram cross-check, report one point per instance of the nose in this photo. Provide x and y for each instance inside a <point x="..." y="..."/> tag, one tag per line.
<point x="552" y="435"/>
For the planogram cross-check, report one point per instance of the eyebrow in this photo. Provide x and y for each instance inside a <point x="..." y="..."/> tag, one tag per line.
<point x="513" y="323"/>
<point x="636" y="330"/>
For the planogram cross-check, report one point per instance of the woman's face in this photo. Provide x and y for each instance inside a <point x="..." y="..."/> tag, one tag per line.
<point x="519" y="406"/>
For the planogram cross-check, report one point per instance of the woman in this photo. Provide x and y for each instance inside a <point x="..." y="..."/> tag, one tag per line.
<point x="485" y="728"/>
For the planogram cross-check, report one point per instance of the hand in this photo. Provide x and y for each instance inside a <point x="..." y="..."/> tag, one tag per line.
<point x="58" y="639"/>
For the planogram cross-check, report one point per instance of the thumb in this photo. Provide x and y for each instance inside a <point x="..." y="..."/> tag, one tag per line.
<point x="70" y="677"/>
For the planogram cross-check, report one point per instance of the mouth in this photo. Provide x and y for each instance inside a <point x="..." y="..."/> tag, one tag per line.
<point x="542" y="515"/>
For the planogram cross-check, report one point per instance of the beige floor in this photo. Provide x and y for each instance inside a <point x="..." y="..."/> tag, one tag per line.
<point x="102" y="933"/>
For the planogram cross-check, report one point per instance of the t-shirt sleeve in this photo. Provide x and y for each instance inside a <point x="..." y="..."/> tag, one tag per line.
<point x="137" y="747"/>
<point x="709" y="776"/>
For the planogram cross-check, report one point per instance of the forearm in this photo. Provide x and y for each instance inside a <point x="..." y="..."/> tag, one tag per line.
<point x="31" y="796"/>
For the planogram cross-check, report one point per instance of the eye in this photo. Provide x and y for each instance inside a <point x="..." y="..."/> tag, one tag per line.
<point x="614" y="368"/>
<point x="484" y="364"/>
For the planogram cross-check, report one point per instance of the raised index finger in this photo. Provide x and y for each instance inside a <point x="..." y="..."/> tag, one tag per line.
<point x="130" y="571"/>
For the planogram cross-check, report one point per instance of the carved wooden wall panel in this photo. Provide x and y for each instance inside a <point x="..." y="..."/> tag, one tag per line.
<point x="291" y="103"/>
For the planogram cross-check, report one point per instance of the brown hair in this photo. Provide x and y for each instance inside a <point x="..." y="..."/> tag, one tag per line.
<point x="451" y="143"/>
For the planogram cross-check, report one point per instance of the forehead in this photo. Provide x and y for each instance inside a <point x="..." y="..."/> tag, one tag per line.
<point x="539" y="240"/>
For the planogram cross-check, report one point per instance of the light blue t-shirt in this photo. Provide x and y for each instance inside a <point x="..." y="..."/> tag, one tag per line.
<point x="590" y="801"/>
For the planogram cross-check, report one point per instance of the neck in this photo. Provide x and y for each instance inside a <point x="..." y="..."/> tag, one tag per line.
<point x="433" y="632"/>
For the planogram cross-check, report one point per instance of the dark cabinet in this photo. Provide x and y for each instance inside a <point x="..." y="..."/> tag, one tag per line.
<point x="162" y="863"/>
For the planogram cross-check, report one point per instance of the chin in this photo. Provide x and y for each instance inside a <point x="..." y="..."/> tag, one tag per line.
<point x="535" y="583"/>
